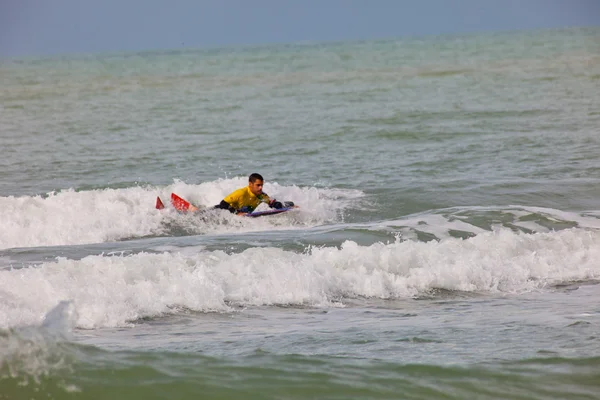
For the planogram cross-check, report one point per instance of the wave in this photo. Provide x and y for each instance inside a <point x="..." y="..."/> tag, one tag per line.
<point x="73" y="217"/>
<point x="111" y="291"/>
<point x="61" y="370"/>
<point x="32" y="353"/>
<point x="41" y="361"/>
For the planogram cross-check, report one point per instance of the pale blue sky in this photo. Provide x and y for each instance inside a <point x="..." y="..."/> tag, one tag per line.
<point x="39" y="27"/>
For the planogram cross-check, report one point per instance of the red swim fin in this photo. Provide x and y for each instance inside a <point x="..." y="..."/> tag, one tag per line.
<point x="159" y="203"/>
<point x="181" y="204"/>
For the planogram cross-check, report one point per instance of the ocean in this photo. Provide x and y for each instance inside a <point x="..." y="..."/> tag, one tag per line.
<point x="446" y="244"/>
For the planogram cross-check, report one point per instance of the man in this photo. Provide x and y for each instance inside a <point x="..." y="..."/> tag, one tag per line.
<point x="246" y="199"/>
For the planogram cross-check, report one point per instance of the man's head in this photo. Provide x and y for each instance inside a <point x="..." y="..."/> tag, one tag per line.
<point x="255" y="183"/>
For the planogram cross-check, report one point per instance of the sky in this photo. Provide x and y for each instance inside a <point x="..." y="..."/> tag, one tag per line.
<point x="47" y="27"/>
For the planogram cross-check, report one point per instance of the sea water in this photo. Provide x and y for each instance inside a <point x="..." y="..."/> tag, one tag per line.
<point x="447" y="243"/>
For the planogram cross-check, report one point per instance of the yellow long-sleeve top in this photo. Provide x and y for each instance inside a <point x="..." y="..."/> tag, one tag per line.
<point x="243" y="199"/>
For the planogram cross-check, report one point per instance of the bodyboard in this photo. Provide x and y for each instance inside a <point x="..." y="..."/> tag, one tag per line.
<point x="269" y="212"/>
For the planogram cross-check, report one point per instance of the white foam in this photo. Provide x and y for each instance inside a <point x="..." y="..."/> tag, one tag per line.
<point x="70" y="218"/>
<point x="584" y="220"/>
<point x="440" y="223"/>
<point x="34" y="351"/>
<point x="112" y="291"/>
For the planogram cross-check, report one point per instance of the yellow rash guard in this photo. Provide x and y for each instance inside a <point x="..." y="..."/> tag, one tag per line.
<point x="244" y="200"/>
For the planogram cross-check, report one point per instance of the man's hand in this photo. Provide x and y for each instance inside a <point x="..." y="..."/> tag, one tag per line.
<point x="278" y="204"/>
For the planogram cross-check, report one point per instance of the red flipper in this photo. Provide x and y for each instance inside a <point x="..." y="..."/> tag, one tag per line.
<point x="181" y="204"/>
<point x="159" y="203"/>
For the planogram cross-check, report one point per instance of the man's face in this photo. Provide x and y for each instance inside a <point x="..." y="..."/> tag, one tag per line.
<point x="256" y="187"/>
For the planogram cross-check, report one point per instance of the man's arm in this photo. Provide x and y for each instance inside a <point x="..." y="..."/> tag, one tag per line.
<point x="275" y="204"/>
<point x="223" y="205"/>
<point x="278" y="204"/>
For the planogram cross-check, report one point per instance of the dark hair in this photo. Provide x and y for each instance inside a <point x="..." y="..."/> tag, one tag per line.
<point x="254" y="177"/>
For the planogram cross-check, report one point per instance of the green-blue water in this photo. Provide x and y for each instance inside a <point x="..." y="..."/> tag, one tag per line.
<point x="447" y="243"/>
